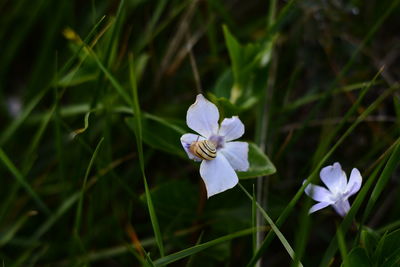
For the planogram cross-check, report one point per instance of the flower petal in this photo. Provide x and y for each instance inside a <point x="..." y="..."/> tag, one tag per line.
<point x="318" y="193"/>
<point x="334" y="178"/>
<point x="231" y="128"/>
<point x="202" y="117"/>
<point x="237" y="155"/>
<point x="217" y="175"/>
<point x="318" y="206"/>
<point x="342" y="207"/>
<point x="187" y="140"/>
<point x="354" y="183"/>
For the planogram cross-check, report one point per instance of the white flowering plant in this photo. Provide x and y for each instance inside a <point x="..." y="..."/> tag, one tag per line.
<point x="218" y="171"/>
<point x="339" y="190"/>
<point x="178" y="125"/>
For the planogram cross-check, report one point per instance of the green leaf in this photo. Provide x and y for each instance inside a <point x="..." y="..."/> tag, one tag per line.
<point x="244" y="61"/>
<point x="226" y="108"/>
<point x="388" y="252"/>
<point x="357" y="257"/>
<point x="235" y="53"/>
<point x="260" y="164"/>
<point x="223" y="85"/>
<point x="369" y="240"/>
<point x="160" y="134"/>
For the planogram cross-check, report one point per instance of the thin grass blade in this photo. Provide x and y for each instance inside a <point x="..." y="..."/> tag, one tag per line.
<point x="81" y="196"/>
<point x="138" y="134"/>
<point x="275" y="229"/>
<point x="196" y="249"/>
<point x="21" y="180"/>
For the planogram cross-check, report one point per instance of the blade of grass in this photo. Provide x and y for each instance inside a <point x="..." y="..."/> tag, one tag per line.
<point x="81" y="195"/>
<point x="64" y="207"/>
<point x="85" y="127"/>
<point x="191" y="260"/>
<point x="175" y="10"/>
<point x="389" y="227"/>
<point x="302" y="233"/>
<point x="197" y="248"/>
<point x="26" y="163"/>
<point x="385" y="176"/>
<point x="17" y="38"/>
<point x="10" y="233"/>
<point x="275" y="229"/>
<point x="149" y="261"/>
<point x="117" y="251"/>
<point x="138" y="134"/>
<point x="113" y="41"/>
<point x="29" y="257"/>
<point x="315" y="97"/>
<point x="109" y="54"/>
<point x="327" y="138"/>
<point x="57" y="126"/>
<point x="21" y="180"/>
<point x="106" y="253"/>
<point x="270" y="57"/>
<point x="30" y="153"/>
<point x="113" y="80"/>
<point x="254" y="220"/>
<point x="382" y="182"/>
<point x="149" y="33"/>
<point x="42" y="55"/>
<point x="341" y="242"/>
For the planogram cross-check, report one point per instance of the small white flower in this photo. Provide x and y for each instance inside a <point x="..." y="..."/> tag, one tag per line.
<point x="339" y="190"/>
<point x="217" y="173"/>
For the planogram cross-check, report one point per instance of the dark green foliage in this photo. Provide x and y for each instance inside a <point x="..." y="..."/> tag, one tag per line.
<point x="93" y="100"/>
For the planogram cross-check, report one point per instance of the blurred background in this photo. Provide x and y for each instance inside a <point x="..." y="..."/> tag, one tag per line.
<point x="298" y="74"/>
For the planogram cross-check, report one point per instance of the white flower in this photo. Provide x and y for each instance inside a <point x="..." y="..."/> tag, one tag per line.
<point x="339" y="190"/>
<point x="218" y="173"/>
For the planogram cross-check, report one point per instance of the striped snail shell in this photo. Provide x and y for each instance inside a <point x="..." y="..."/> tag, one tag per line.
<point x="204" y="149"/>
